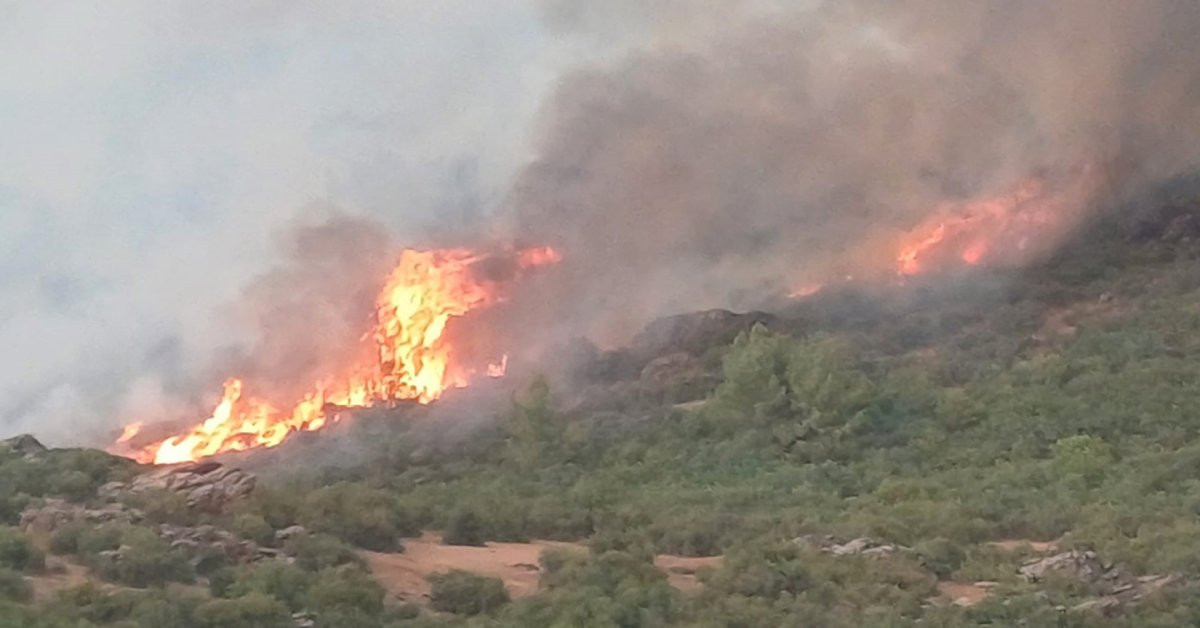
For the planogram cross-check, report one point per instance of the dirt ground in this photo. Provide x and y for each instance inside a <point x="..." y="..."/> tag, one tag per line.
<point x="964" y="594"/>
<point x="60" y="575"/>
<point x="681" y="570"/>
<point x="403" y="575"/>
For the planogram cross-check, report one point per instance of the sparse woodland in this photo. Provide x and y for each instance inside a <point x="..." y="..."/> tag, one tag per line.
<point x="959" y="427"/>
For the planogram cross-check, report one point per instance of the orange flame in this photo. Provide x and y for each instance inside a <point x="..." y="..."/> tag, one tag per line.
<point x="411" y="359"/>
<point x="806" y="289"/>
<point x="973" y="232"/>
<point x="129" y="432"/>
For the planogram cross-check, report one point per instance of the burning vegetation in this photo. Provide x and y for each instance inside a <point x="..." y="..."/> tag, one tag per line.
<point x="405" y="356"/>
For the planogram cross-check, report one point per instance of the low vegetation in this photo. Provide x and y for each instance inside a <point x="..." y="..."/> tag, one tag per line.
<point x="1055" y="404"/>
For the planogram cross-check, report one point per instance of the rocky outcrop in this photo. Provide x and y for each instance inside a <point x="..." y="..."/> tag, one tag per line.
<point x="25" y="445"/>
<point x="861" y="546"/>
<point x="52" y="514"/>
<point x="676" y="378"/>
<point x="1114" y="586"/>
<point x="203" y="541"/>
<point x="693" y="333"/>
<point x="1085" y="566"/>
<point x="197" y="542"/>
<point x="207" y="486"/>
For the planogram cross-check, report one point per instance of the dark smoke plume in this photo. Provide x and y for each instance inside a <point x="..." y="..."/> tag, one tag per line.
<point x="737" y="153"/>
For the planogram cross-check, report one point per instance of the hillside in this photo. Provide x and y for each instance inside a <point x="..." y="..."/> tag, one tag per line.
<point x="1015" y="447"/>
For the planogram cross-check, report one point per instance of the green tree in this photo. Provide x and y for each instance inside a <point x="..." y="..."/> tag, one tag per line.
<point x="534" y="428"/>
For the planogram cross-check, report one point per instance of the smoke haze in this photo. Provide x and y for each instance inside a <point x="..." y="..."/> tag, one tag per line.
<point x="706" y="170"/>
<point x="184" y="183"/>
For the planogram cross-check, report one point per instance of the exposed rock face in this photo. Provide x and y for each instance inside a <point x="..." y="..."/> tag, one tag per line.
<point x="1082" y="565"/>
<point x="24" y="444"/>
<point x="1115" y="587"/>
<point x="289" y="533"/>
<point x="207" y="486"/>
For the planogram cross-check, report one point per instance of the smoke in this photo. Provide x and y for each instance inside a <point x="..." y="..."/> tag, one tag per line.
<point x="681" y="154"/>
<point x="307" y="317"/>
<point x="752" y="145"/>
<point x="154" y="150"/>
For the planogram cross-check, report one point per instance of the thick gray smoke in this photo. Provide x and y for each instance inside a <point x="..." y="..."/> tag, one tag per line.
<point x="680" y="153"/>
<point x="750" y="146"/>
<point x="155" y="150"/>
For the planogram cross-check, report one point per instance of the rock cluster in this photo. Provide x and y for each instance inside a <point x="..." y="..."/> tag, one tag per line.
<point x="1115" y="586"/>
<point x="861" y="546"/>
<point x="52" y="514"/>
<point x="207" y="486"/>
<point x="26" y="445"/>
<point x="662" y="364"/>
<point x="206" y="540"/>
<point x="693" y="333"/>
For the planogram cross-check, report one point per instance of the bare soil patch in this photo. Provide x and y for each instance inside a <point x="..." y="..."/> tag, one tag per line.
<point x="61" y="575"/>
<point x="963" y="594"/>
<point x="681" y="570"/>
<point x="404" y="575"/>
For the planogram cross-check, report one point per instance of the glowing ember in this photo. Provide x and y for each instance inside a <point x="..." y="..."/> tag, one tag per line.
<point x="411" y="359"/>
<point x="541" y="256"/>
<point x="806" y="290"/>
<point x="498" y="369"/>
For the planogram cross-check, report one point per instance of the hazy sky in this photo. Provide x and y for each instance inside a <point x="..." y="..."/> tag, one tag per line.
<point x="153" y="150"/>
<point x="684" y="152"/>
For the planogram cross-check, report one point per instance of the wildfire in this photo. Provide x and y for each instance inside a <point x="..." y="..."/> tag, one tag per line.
<point x="973" y="232"/>
<point x="1006" y="229"/>
<point x="410" y="358"/>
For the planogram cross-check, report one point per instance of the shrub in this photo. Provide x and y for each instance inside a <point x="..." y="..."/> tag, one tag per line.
<point x="65" y="539"/>
<point x="254" y="528"/>
<point x="347" y="591"/>
<point x="366" y="517"/>
<point x="465" y="528"/>
<point x="279" y="506"/>
<point x="144" y="559"/>
<point x="940" y="556"/>
<point x="72" y="484"/>
<point x="165" y="608"/>
<point x="465" y="593"/>
<point x="251" y="611"/>
<point x="1084" y="455"/>
<point x="534" y="429"/>
<point x="755" y="375"/>
<point x="315" y="552"/>
<point x="92" y="603"/>
<point x="163" y="506"/>
<point x="13" y="586"/>
<point x="220" y="581"/>
<point x="17" y="552"/>
<point x="93" y="540"/>
<point x="287" y="583"/>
